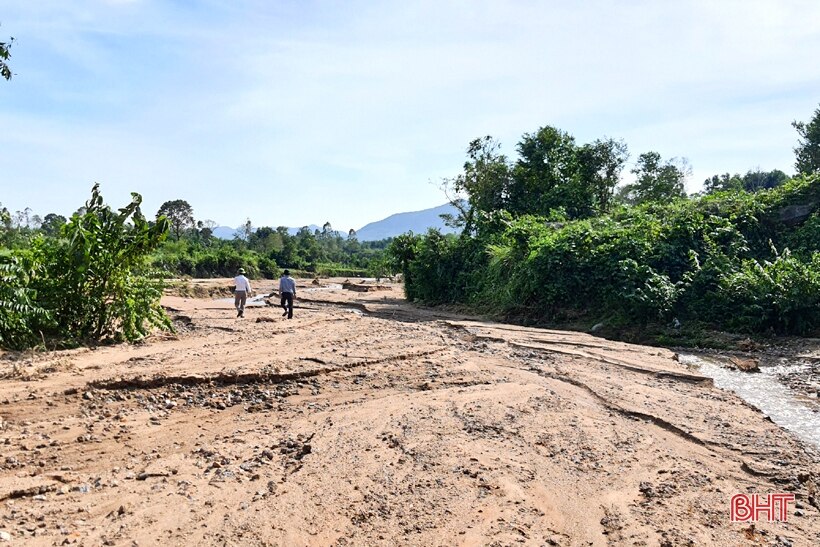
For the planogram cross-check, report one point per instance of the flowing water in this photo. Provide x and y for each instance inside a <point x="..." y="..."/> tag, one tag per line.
<point x="328" y="287"/>
<point x="254" y="301"/>
<point x="259" y="300"/>
<point x="765" y="391"/>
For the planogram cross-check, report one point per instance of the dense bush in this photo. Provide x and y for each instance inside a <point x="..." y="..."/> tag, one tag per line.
<point x="21" y="318"/>
<point x="187" y="258"/>
<point x="210" y="257"/>
<point x="89" y="284"/>
<point x="337" y="270"/>
<point x="782" y="295"/>
<point x="713" y="260"/>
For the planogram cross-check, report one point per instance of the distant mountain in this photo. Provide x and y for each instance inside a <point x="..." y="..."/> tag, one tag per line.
<point x="224" y="232"/>
<point x="313" y="228"/>
<point x="418" y="222"/>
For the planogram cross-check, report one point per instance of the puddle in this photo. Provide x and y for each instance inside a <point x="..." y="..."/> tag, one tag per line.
<point x="767" y="393"/>
<point x="329" y="287"/>
<point x="255" y="301"/>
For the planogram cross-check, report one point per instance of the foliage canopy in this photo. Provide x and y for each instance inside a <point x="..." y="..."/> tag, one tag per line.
<point x="553" y="176"/>
<point x="544" y="241"/>
<point x="807" y="153"/>
<point x="180" y="215"/>
<point x="5" y="69"/>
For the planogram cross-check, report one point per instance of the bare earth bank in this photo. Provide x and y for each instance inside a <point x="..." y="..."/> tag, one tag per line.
<point x="366" y="421"/>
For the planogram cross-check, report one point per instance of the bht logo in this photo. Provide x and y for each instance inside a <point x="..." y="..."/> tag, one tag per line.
<point x="751" y="507"/>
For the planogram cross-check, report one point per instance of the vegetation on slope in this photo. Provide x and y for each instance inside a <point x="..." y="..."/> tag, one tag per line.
<point x="543" y="243"/>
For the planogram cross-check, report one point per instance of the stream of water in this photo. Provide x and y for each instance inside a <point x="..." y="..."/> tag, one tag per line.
<point x="767" y="393"/>
<point x="259" y="300"/>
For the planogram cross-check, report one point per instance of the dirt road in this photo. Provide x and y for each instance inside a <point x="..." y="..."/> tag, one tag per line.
<point x="365" y="421"/>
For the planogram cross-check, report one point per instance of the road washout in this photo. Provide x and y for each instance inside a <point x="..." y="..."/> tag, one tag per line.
<point x="392" y="425"/>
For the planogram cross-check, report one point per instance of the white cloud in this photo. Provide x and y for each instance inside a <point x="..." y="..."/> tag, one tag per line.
<point x="351" y="109"/>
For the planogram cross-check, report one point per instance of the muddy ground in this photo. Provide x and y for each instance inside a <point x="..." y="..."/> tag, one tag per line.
<point x="366" y="421"/>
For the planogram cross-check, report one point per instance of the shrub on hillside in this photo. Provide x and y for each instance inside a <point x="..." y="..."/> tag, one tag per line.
<point x="710" y="260"/>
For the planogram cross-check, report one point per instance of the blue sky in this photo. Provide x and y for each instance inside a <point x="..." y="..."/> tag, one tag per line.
<point x="300" y="112"/>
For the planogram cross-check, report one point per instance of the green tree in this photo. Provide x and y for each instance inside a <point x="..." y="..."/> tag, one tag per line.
<point x="245" y="232"/>
<point x="763" y="180"/>
<point x="544" y="172"/>
<point x="22" y="320"/>
<point x="657" y="180"/>
<point x="327" y="230"/>
<point x="600" y="164"/>
<point x="288" y="256"/>
<point x="553" y="174"/>
<point x="23" y="219"/>
<point x="720" y="183"/>
<point x="93" y="284"/>
<point x="52" y="223"/>
<point x="205" y="230"/>
<point x="752" y="181"/>
<point x="10" y="236"/>
<point x="483" y="186"/>
<point x="5" y="218"/>
<point x="352" y="245"/>
<point x="5" y="69"/>
<point x="307" y="245"/>
<point x="266" y="240"/>
<point x="807" y="153"/>
<point x="180" y="215"/>
<point x="552" y="177"/>
<point x="402" y="252"/>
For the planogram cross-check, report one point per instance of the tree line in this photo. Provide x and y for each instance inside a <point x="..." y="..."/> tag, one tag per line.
<point x="553" y="238"/>
<point x="98" y="275"/>
<point x="193" y="249"/>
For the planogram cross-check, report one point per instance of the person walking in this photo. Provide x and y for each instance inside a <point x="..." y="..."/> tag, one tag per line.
<point x="242" y="290"/>
<point x="287" y="292"/>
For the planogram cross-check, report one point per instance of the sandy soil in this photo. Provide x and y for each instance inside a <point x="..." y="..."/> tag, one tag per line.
<point x="366" y="421"/>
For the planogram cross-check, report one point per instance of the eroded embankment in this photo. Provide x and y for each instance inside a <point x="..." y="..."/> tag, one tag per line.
<point x="392" y="426"/>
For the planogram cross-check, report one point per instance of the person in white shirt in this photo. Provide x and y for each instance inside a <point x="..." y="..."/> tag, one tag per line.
<point x="242" y="291"/>
<point x="287" y="291"/>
